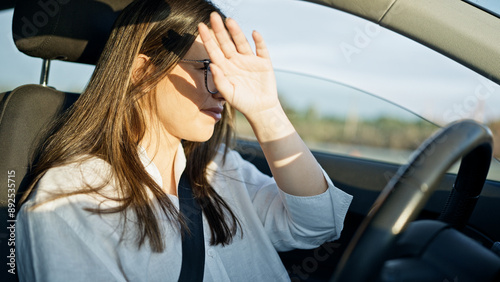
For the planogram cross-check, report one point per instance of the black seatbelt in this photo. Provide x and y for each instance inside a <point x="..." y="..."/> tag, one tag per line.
<point x="193" y="241"/>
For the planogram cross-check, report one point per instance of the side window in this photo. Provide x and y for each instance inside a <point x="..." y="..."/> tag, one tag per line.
<point x="415" y="89"/>
<point x="335" y="118"/>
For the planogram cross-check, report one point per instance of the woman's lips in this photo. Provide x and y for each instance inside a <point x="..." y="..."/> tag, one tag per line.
<point x="214" y="112"/>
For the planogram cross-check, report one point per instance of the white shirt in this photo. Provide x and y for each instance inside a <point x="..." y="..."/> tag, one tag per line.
<point x="60" y="241"/>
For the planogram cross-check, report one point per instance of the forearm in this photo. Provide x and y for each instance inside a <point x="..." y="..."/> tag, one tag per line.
<point x="294" y="168"/>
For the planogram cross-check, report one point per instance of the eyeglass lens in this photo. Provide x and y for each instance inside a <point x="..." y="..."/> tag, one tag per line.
<point x="209" y="81"/>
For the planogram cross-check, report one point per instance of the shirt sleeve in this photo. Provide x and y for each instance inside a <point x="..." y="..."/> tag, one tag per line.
<point x="294" y="222"/>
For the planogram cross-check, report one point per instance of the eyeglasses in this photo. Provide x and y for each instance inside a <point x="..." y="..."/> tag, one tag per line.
<point x="208" y="74"/>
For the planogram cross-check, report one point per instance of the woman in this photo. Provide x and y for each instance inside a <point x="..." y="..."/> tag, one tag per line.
<point x="103" y="204"/>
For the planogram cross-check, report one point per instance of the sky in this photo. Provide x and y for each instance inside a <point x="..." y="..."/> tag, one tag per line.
<point x="324" y="43"/>
<point x="491" y="5"/>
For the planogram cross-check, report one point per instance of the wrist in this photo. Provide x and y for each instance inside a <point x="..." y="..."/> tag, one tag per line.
<point x="271" y="124"/>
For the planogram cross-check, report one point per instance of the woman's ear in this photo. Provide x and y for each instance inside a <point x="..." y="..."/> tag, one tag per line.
<point x="139" y="67"/>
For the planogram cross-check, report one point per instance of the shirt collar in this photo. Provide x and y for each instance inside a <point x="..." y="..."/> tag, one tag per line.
<point x="154" y="172"/>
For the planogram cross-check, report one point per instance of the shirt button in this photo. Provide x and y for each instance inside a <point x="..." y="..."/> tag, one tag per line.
<point x="211" y="253"/>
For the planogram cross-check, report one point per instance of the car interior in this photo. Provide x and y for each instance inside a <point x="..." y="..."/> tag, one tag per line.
<point x="413" y="222"/>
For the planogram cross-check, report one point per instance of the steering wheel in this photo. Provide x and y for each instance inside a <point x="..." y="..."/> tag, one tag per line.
<point x="407" y="192"/>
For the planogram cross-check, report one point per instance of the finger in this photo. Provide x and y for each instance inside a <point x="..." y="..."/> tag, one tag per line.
<point x="260" y="45"/>
<point x="214" y="52"/>
<point x="222" y="36"/>
<point x="226" y="89"/>
<point x="239" y="37"/>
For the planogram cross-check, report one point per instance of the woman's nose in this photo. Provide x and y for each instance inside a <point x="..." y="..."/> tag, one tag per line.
<point x="218" y="96"/>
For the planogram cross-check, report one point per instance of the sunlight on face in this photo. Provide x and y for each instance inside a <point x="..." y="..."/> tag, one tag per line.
<point x="186" y="109"/>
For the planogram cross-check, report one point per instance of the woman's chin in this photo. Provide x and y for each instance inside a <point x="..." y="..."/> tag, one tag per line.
<point x="201" y="136"/>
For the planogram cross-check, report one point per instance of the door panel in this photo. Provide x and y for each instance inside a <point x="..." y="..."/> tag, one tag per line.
<point x="364" y="179"/>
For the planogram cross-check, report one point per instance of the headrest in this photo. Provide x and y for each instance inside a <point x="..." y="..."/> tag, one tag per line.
<point x="69" y="30"/>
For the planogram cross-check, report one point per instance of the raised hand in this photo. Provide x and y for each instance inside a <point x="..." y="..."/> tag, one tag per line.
<point x="245" y="80"/>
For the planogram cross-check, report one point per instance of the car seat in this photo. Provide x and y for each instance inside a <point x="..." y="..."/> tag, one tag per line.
<point x="73" y="31"/>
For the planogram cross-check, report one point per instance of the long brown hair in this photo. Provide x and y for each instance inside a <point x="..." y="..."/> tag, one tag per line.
<point x="108" y="120"/>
